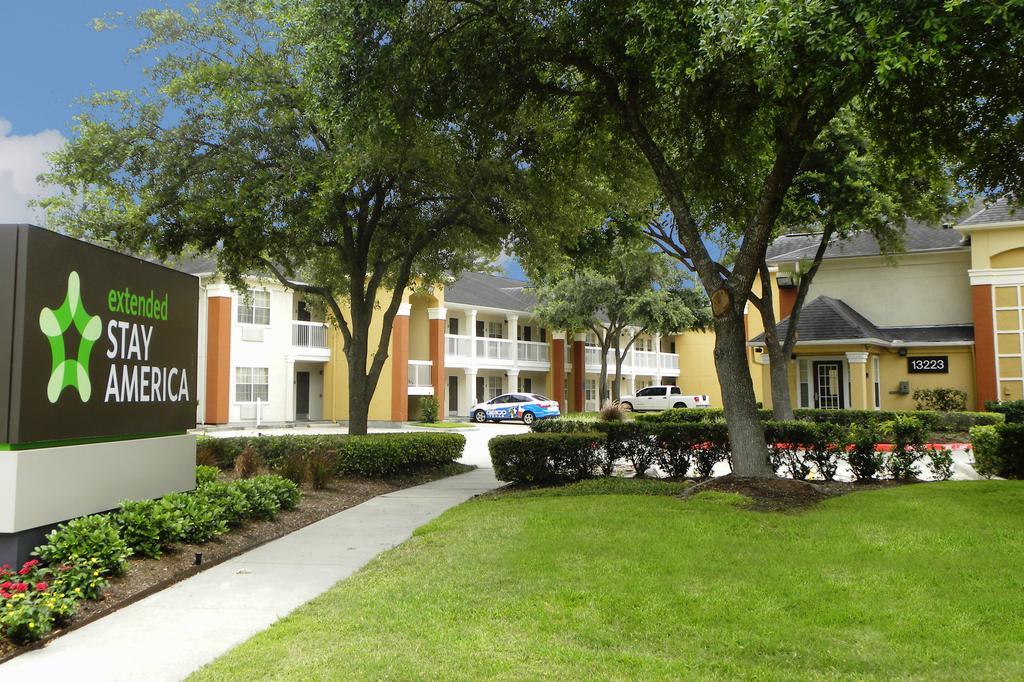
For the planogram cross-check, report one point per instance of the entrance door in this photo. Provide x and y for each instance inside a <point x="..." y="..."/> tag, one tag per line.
<point x="828" y="385"/>
<point x="453" y="395"/>
<point x="301" y="396"/>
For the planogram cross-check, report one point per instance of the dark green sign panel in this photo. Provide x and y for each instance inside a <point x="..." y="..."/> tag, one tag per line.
<point x="93" y="343"/>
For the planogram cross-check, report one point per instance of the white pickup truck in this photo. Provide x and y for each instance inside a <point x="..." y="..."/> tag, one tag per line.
<point x="661" y="398"/>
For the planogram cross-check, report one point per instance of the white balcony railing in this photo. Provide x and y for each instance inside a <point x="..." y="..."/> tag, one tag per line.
<point x="533" y="351"/>
<point x="494" y="349"/>
<point x="458" y="346"/>
<point x="309" y="334"/>
<point x="669" y="360"/>
<point x="419" y="373"/>
<point x="644" y="359"/>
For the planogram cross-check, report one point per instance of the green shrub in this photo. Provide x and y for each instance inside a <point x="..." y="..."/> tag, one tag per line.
<point x="861" y="452"/>
<point x="25" y="617"/>
<point x="219" y="452"/>
<point x="378" y="455"/>
<point x="263" y="503"/>
<point x="908" y="436"/>
<point x="79" y="577"/>
<point x="630" y="441"/>
<point x="999" y="450"/>
<point x="1012" y="410"/>
<point x="573" y="424"/>
<point x="941" y="399"/>
<point x="546" y="457"/>
<point x="233" y="504"/>
<point x="787" y="443"/>
<point x="683" y="415"/>
<point x="286" y="492"/>
<point x="147" y="526"/>
<point x="201" y="517"/>
<point x="940" y="464"/>
<point x="429" y="409"/>
<point x="961" y="422"/>
<point x="206" y="474"/>
<point x="701" y="445"/>
<point x="93" y="537"/>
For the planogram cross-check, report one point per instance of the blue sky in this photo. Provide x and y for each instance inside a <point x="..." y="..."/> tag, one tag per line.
<point x="53" y="57"/>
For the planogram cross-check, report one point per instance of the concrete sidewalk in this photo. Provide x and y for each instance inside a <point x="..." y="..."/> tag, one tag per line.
<point x="172" y="633"/>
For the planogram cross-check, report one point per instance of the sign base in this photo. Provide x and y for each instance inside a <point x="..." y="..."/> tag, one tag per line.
<point x="41" y="487"/>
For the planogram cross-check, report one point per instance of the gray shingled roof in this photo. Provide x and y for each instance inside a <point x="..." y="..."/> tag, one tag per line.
<point x="198" y="265"/>
<point x="830" y="319"/>
<point x="918" y="237"/>
<point x="999" y="212"/>
<point x="491" y="291"/>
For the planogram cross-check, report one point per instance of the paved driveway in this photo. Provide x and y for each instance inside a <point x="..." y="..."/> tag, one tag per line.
<point x="476" y="452"/>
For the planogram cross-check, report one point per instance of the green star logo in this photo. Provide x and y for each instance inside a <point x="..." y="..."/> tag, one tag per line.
<point x="67" y="371"/>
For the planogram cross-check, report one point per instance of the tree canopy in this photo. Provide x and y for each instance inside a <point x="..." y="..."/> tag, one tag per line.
<point x="721" y="101"/>
<point x="299" y="140"/>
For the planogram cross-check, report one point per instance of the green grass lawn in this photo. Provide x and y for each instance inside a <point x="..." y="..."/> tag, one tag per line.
<point x="444" y="425"/>
<point x="923" y="581"/>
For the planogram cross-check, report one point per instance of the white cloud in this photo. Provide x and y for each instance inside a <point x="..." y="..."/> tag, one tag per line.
<point x="22" y="158"/>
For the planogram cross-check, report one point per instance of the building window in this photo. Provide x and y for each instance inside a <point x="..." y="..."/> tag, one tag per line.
<point x="254" y="308"/>
<point x="590" y="390"/>
<point x="804" y="382"/>
<point x="525" y="385"/>
<point x="453" y="325"/>
<point x="488" y="388"/>
<point x="876" y="366"/>
<point x="495" y="330"/>
<point x="543" y="335"/>
<point x="252" y="384"/>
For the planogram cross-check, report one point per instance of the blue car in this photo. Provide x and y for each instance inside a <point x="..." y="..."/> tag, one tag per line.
<point x="527" y="407"/>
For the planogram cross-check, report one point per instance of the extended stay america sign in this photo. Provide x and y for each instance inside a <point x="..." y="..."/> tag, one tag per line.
<point x="92" y="343"/>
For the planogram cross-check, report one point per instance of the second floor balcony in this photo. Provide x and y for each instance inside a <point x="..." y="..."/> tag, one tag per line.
<point x="310" y="338"/>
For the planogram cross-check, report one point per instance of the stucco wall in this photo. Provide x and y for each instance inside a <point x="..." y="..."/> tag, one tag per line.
<point x="923" y="289"/>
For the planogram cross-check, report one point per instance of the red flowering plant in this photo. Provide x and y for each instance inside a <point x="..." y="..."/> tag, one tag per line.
<point x="29" y="605"/>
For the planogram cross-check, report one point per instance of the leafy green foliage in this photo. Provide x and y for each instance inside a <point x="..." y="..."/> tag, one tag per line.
<point x="147" y="526"/>
<point x="1012" y="410"/>
<point x="372" y="456"/>
<point x="999" y="450"/>
<point x="941" y="399"/>
<point x="545" y="458"/>
<point x="862" y="453"/>
<point x="629" y="287"/>
<point x="908" y="436"/>
<point x="201" y="516"/>
<point x="206" y="474"/>
<point x="429" y="408"/>
<point x="93" y="537"/>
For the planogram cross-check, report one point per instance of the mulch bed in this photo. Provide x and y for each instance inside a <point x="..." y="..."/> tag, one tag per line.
<point x="785" y="494"/>
<point x="144" y="577"/>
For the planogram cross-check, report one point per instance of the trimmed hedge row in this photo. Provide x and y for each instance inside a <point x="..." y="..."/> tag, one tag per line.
<point x="371" y="456"/>
<point x="1012" y="410"/>
<point x="999" y="450"/>
<point x="798" y="448"/>
<point x="933" y="421"/>
<point x="545" y="457"/>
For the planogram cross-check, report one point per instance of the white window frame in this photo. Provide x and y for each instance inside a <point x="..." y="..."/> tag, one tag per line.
<point x="876" y="368"/>
<point x="492" y="387"/>
<point x="590" y="390"/>
<point x="248" y="308"/>
<point x="255" y="385"/>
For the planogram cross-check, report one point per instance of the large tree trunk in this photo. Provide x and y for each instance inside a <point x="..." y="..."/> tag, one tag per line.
<point x="778" y="368"/>
<point x="746" y="435"/>
<point x="617" y="384"/>
<point x="359" y="393"/>
<point x="602" y="389"/>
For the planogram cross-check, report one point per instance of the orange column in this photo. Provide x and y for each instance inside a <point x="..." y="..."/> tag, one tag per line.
<point x="400" y="365"/>
<point x="579" y="372"/>
<point x="218" y="358"/>
<point x="558" y="369"/>
<point x="984" y="344"/>
<point x="436" y="319"/>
